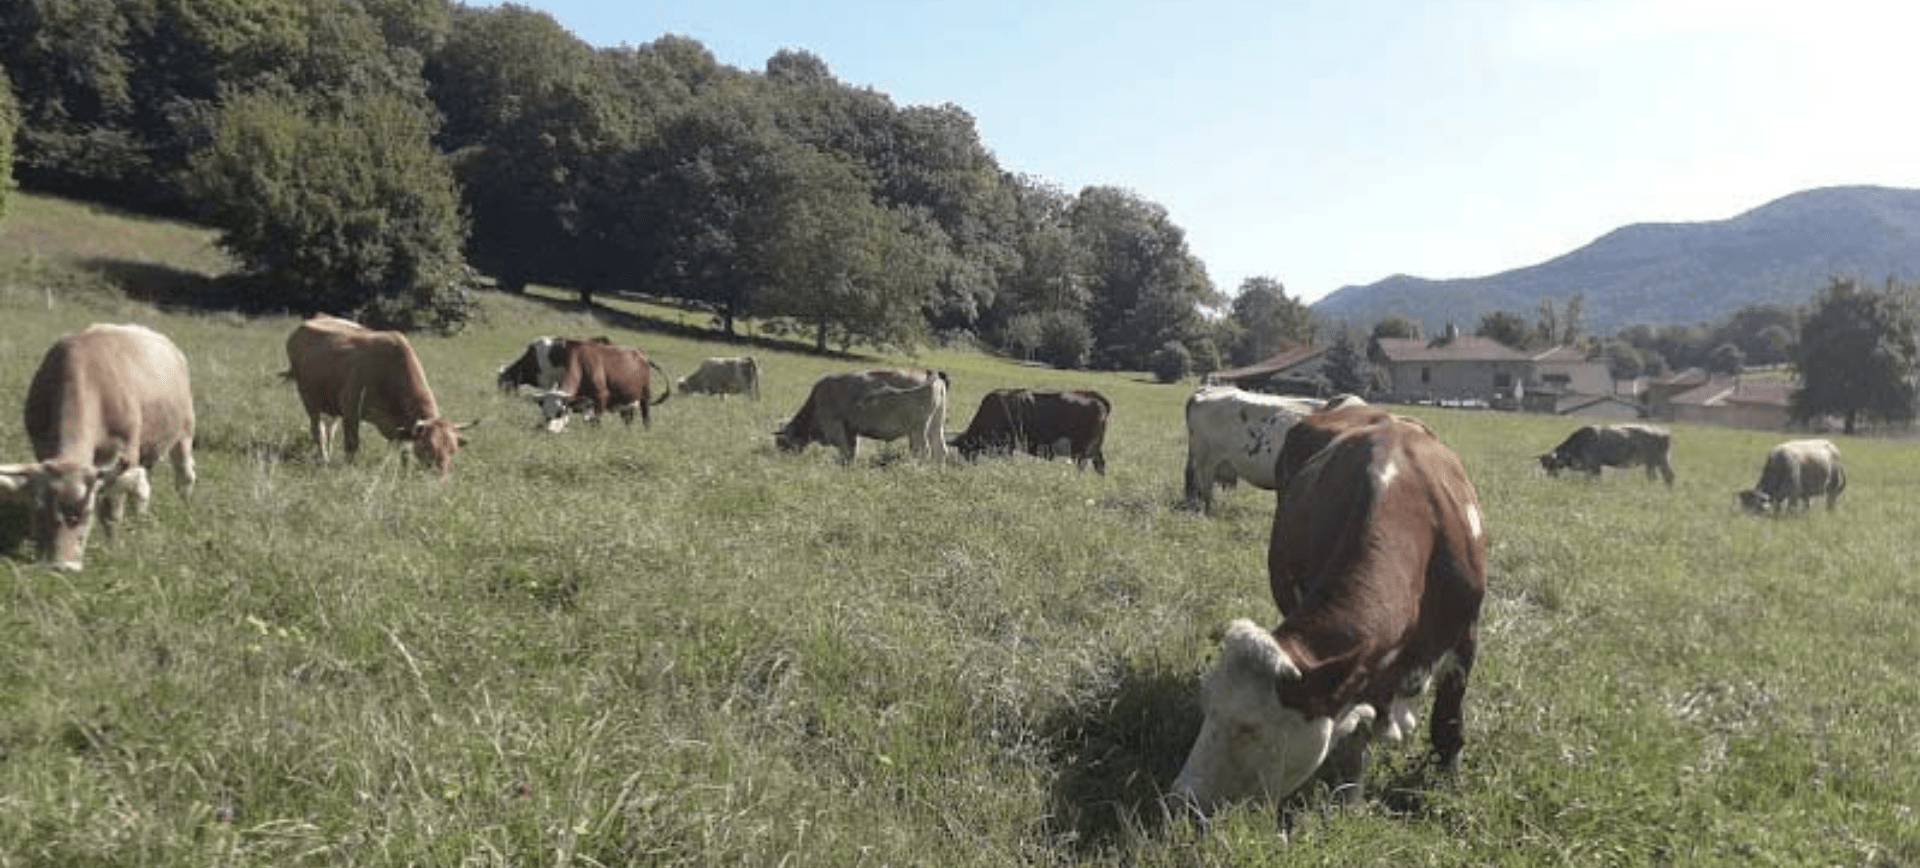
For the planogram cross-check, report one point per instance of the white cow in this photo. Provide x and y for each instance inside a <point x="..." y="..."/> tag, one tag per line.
<point x="1234" y="435"/>
<point x="724" y="376"/>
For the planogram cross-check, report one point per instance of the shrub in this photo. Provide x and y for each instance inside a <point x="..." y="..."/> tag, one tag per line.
<point x="1171" y="363"/>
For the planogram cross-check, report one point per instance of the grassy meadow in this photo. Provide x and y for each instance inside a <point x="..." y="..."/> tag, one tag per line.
<point x="675" y="646"/>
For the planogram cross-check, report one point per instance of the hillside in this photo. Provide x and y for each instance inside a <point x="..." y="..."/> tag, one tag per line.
<point x="1780" y="253"/>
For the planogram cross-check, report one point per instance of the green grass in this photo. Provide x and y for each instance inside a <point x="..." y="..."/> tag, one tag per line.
<point x="678" y="647"/>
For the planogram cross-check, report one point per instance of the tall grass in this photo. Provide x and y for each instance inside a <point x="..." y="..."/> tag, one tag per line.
<point x="676" y="646"/>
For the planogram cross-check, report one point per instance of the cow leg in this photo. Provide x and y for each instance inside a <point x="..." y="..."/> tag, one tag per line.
<point x="848" y="444"/>
<point x="1666" y="470"/>
<point x="1346" y="765"/>
<point x="183" y="472"/>
<point x="322" y="432"/>
<point x="1447" y="729"/>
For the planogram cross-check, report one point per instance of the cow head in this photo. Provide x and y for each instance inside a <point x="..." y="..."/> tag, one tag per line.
<point x="536" y="367"/>
<point x="434" y="442"/>
<point x="1753" y="500"/>
<point x="63" y="494"/>
<point x="1251" y="743"/>
<point x="555" y="405"/>
<point x="1555" y="461"/>
<point x="791" y="437"/>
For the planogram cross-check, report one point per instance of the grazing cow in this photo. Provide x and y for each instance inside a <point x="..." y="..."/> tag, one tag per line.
<point x="539" y="365"/>
<point x="879" y="404"/>
<point x="107" y="402"/>
<point x="1010" y="419"/>
<point x="724" y="376"/>
<point x="1796" y="472"/>
<point x="596" y="376"/>
<point x="1234" y="435"/>
<point x="1377" y="562"/>
<point x="1595" y="446"/>
<point x="346" y="371"/>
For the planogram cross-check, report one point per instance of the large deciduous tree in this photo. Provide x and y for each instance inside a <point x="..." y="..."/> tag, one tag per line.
<point x="1267" y="319"/>
<point x="9" y="121"/>
<point x="1856" y="355"/>
<point x="1145" y="287"/>
<point x="337" y="206"/>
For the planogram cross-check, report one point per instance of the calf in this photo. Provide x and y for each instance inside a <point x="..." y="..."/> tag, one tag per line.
<point x="1796" y="472"/>
<point x="1594" y="446"/>
<point x="346" y="371"/>
<point x="1010" y="419"/>
<point x="880" y="404"/>
<point x="106" y="403"/>
<point x="1377" y="562"/>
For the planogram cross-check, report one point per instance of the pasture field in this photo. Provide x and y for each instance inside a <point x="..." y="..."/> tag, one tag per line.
<point x="676" y="646"/>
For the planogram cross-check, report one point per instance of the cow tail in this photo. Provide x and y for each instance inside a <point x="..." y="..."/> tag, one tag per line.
<point x="666" y="382"/>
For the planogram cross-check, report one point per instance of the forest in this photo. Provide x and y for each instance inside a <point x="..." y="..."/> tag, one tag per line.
<point x="384" y="158"/>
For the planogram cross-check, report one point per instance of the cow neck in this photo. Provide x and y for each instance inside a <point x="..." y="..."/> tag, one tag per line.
<point x="1330" y="642"/>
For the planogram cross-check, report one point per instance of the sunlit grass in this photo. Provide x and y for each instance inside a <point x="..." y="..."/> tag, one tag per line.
<point x="677" y="647"/>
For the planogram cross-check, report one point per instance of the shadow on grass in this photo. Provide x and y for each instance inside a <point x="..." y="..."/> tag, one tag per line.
<point x="1117" y="752"/>
<point x="615" y="317"/>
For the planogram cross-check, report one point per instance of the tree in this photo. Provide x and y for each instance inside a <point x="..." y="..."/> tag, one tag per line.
<point x="1346" y="366"/>
<point x="1507" y="328"/>
<point x="1394" y="325"/>
<point x="1624" y="362"/>
<point x="1727" y="358"/>
<point x="1146" y="287"/>
<point x="9" y="121"/>
<point x="1856" y="355"/>
<point x="341" y="207"/>
<point x="1267" y="319"/>
<point x="1171" y="363"/>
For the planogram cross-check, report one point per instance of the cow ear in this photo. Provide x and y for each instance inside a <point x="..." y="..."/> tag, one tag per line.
<point x="14" y="477"/>
<point x="1251" y="643"/>
<point x="1355" y="717"/>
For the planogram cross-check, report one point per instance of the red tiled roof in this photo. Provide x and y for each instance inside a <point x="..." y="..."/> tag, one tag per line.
<point x="1465" y="348"/>
<point x="1561" y="355"/>
<point x="1287" y="357"/>
<point x="1737" y="390"/>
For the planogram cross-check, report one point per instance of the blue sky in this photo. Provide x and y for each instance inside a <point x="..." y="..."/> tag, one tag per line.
<point x="1340" y="142"/>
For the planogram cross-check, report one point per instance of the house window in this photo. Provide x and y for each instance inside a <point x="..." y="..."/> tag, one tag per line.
<point x="1426" y="376"/>
<point x="1502" y="382"/>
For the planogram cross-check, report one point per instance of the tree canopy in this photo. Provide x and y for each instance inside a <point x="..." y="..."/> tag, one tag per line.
<point x="1856" y="355"/>
<point x="356" y="154"/>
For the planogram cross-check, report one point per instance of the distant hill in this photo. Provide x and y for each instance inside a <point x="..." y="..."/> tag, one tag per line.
<point x="1780" y="253"/>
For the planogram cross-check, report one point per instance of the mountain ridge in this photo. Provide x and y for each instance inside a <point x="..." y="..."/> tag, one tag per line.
<point x="1782" y="252"/>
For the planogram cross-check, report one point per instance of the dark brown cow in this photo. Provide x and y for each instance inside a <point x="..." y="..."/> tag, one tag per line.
<point x="106" y="403"/>
<point x="597" y="377"/>
<point x="1010" y="419"/>
<point x="1592" y="447"/>
<point x="1378" y="563"/>
<point x="346" y="371"/>
<point x="1796" y="472"/>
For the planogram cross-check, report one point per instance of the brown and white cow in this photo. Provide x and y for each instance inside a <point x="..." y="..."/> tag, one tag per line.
<point x="1592" y="447"/>
<point x="1377" y="562"/>
<point x="1233" y="435"/>
<point x="738" y="375"/>
<point x="596" y="377"/>
<point x="1038" y="422"/>
<point x="539" y="365"/>
<point x="346" y="371"/>
<point x="106" y="403"/>
<point x="879" y="404"/>
<point x="1796" y="472"/>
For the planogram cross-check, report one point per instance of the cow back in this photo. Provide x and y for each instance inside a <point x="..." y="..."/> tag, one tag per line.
<point x="109" y="391"/>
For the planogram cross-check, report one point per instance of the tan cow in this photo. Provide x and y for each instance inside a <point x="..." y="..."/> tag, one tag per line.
<point x="1796" y="472"/>
<point x="107" y="402"/>
<point x="880" y="404"/>
<point x="347" y="371"/>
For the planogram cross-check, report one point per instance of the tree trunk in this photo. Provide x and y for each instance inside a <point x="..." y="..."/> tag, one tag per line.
<point x="726" y="319"/>
<point x="1850" y="416"/>
<point x="820" y="335"/>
